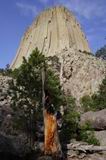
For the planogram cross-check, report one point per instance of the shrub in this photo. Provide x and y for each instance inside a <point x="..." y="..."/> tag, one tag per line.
<point x="101" y="53"/>
<point x="70" y="121"/>
<point x="89" y="137"/>
<point x="86" y="103"/>
<point x="86" y="134"/>
<point x="97" y="101"/>
<point x="7" y="71"/>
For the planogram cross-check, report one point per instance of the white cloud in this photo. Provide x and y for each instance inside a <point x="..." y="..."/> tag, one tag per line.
<point x="27" y="9"/>
<point x="86" y="8"/>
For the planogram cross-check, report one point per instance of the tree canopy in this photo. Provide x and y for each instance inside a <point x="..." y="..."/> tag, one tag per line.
<point x="26" y="90"/>
<point x="101" y="52"/>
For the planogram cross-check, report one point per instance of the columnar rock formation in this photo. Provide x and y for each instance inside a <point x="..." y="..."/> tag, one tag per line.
<point x="56" y="32"/>
<point x="53" y="30"/>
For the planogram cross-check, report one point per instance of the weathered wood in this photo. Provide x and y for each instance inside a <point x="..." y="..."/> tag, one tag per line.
<point x="85" y="148"/>
<point x="51" y="142"/>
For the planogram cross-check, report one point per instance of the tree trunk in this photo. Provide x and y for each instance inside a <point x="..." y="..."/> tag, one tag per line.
<point x="51" y="139"/>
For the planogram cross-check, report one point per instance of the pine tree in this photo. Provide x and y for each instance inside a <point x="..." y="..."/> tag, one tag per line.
<point x="101" y="52"/>
<point x="26" y="92"/>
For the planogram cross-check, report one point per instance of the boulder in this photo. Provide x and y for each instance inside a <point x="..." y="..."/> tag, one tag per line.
<point x="45" y="158"/>
<point x="101" y="136"/>
<point x="14" y="145"/>
<point x="97" y="119"/>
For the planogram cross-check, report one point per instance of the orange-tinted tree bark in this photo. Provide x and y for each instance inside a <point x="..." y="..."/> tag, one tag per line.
<point x="51" y="142"/>
<point x="51" y="139"/>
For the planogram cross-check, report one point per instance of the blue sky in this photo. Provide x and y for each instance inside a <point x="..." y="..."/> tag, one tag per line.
<point x="17" y="15"/>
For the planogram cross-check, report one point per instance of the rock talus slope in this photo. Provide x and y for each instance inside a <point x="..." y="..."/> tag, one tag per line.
<point x="56" y="32"/>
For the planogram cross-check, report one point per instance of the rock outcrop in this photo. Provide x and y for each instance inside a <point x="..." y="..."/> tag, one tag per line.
<point x="97" y="119"/>
<point x="5" y="108"/>
<point x="53" y="30"/>
<point x="81" y="73"/>
<point x="98" y="122"/>
<point x="56" y="32"/>
<point x="14" y="145"/>
<point x="101" y="136"/>
<point x="94" y="156"/>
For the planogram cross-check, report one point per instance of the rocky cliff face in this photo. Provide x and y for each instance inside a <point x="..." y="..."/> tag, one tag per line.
<point x="81" y="73"/>
<point x="5" y="108"/>
<point x="56" y="32"/>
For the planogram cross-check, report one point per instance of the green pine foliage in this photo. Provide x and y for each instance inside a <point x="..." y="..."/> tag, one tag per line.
<point x="53" y="85"/>
<point x="7" y="71"/>
<point x="86" y="103"/>
<point x="86" y="134"/>
<point x="70" y="121"/>
<point x="26" y="91"/>
<point x="97" y="101"/>
<point x="1" y="71"/>
<point x="29" y="80"/>
<point x="101" y="53"/>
